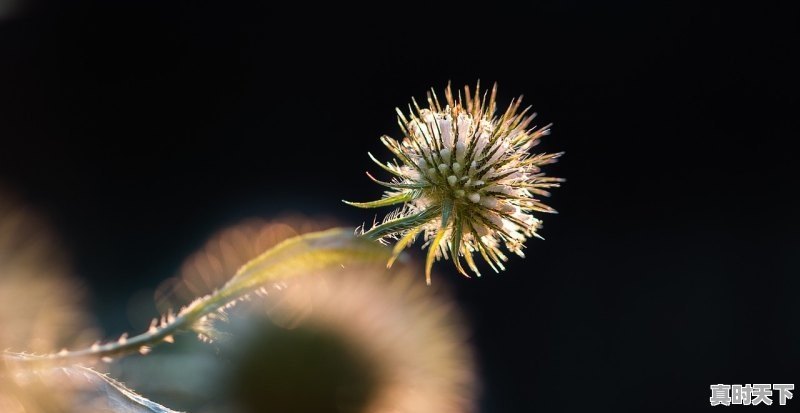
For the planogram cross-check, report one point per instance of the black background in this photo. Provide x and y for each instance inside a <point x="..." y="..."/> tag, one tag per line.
<point x="140" y="128"/>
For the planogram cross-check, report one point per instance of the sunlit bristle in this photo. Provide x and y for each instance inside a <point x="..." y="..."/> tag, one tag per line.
<point x="153" y="326"/>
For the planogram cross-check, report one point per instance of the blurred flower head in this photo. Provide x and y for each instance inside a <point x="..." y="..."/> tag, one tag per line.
<point x="356" y="339"/>
<point x="465" y="179"/>
<point x="40" y="305"/>
<point x="40" y="312"/>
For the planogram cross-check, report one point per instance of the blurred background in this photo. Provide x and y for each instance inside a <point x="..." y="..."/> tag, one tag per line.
<point x="139" y="129"/>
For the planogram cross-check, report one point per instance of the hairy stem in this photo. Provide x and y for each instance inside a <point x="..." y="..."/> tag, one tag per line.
<point x="157" y="334"/>
<point x="334" y="248"/>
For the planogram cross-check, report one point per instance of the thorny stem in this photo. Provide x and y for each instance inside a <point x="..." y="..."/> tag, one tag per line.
<point x="309" y="252"/>
<point x="157" y="334"/>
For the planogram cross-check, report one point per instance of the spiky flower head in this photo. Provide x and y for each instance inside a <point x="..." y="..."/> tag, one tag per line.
<point x="465" y="179"/>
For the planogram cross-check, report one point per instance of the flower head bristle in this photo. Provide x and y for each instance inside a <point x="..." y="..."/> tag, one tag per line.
<point x="465" y="179"/>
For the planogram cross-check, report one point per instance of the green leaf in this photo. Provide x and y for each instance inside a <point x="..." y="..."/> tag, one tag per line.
<point x="301" y="255"/>
<point x="447" y="209"/>
<point x="432" y="248"/>
<point x="385" y="167"/>
<point x="455" y="245"/>
<point x="401" y="224"/>
<point x="402" y="243"/>
<point x="396" y="185"/>
<point x="392" y="200"/>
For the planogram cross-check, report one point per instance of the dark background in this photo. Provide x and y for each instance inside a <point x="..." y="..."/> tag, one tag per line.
<point x="140" y="128"/>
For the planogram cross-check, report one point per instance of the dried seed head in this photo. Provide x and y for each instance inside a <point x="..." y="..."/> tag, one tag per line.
<point x="465" y="179"/>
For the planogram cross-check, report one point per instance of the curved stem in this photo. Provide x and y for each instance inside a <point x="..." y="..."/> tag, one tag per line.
<point x="295" y="256"/>
<point x="157" y="334"/>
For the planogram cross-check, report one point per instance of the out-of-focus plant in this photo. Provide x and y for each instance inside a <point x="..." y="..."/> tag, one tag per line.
<point x="360" y="338"/>
<point x="40" y="312"/>
<point x="464" y="178"/>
